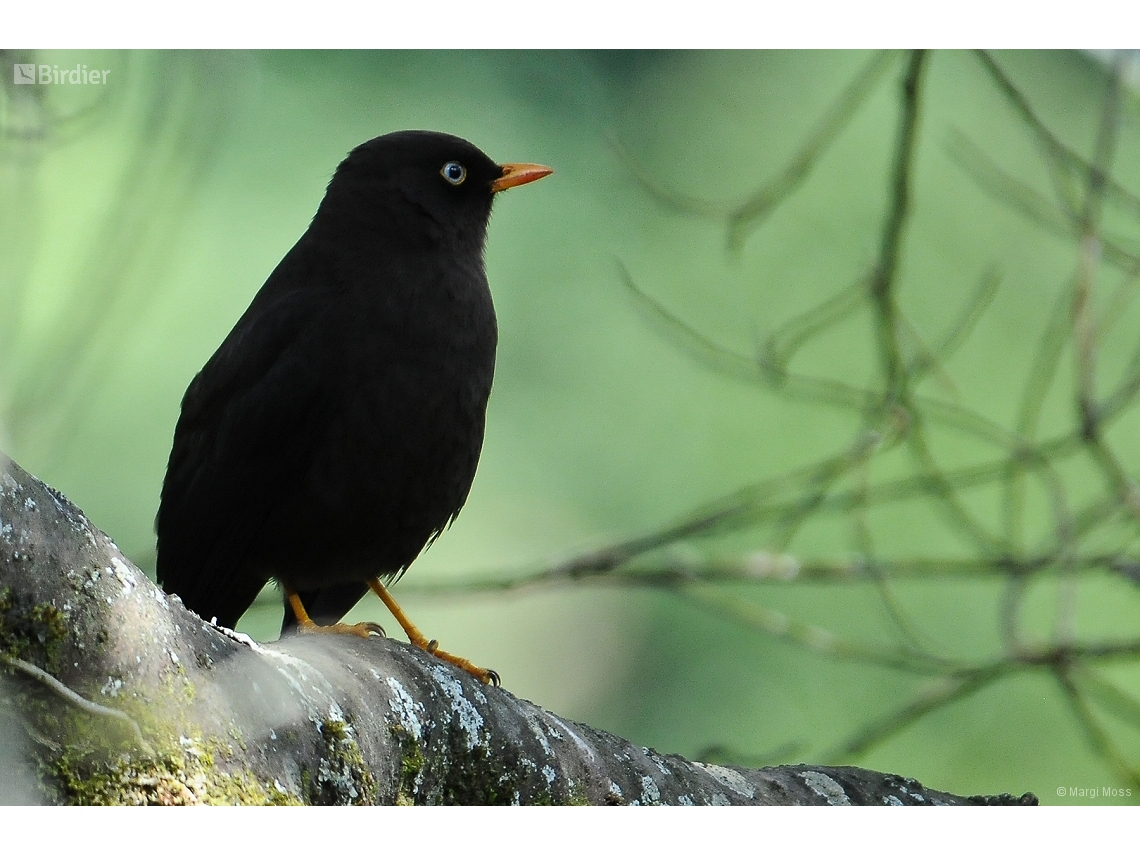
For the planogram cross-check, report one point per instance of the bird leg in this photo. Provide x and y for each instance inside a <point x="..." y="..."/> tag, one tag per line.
<point x="364" y="629"/>
<point x="485" y="675"/>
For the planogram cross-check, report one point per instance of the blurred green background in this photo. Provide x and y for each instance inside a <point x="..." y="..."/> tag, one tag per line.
<point x="140" y="217"/>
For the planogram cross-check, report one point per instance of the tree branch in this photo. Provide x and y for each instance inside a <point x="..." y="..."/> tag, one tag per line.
<point x="312" y="720"/>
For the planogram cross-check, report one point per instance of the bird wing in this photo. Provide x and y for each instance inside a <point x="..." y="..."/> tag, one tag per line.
<point x="256" y="403"/>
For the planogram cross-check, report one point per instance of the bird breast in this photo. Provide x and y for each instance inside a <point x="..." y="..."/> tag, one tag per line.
<point x="399" y="452"/>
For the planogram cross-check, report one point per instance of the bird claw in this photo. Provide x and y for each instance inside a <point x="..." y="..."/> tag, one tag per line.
<point x="484" y="675"/>
<point x="364" y="629"/>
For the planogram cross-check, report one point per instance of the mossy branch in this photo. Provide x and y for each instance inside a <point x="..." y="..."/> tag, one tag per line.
<point x="311" y="720"/>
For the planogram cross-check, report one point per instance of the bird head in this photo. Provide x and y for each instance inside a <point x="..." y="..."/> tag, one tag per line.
<point x="423" y="190"/>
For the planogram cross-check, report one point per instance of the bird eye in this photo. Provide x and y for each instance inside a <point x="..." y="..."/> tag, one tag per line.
<point x="453" y="172"/>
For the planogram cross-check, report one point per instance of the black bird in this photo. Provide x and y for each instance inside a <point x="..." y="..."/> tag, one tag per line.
<point x="336" y="431"/>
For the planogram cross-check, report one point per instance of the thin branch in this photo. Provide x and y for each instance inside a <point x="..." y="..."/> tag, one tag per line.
<point x="809" y="636"/>
<point x="680" y="202"/>
<point x="940" y="693"/>
<point x="751" y="213"/>
<point x="820" y="484"/>
<point x="746" y="215"/>
<point x="815" y="390"/>
<point x="783" y="344"/>
<point x="759" y="568"/>
<point x="1018" y="196"/>
<point x="1041" y="376"/>
<point x="1112" y="698"/>
<point x="1056" y="149"/>
<point x="883" y="277"/>
<point x="1096" y="735"/>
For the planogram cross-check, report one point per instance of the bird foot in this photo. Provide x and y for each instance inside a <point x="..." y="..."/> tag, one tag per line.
<point x="364" y="629"/>
<point x="417" y="638"/>
<point x="484" y="675"/>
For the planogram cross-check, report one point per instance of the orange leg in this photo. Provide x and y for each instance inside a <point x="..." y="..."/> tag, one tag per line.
<point x="420" y="640"/>
<point x="305" y="623"/>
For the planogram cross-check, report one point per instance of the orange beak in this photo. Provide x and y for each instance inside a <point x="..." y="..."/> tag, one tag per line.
<point x="515" y="174"/>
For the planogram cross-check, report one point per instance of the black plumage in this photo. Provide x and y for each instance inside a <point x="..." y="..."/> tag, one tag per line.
<point x="337" y="429"/>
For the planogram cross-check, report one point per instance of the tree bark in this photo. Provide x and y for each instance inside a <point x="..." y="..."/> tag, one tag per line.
<point x="113" y="693"/>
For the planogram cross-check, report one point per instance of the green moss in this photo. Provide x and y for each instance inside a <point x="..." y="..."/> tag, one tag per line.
<point x="471" y="776"/>
<point x="88" y="759"/>
<point x="475" y="778"/>
<point x="342" y="777"/>
<point x="238" y="738"/>
<point x="577" y="795"/>
<point x="182" y="777"/>
<point x="411" y="765"/>
<point x="31" y="631"/>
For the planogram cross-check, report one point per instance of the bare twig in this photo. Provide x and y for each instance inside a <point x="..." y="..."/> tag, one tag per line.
<point x="756" y="208"/>
<point x="1096" y="735"/>
<point x="883" y="278"/>
<point x="744" y="216"/>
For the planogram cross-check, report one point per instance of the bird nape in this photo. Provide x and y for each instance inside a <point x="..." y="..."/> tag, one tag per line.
<point x="336" y="431"/>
